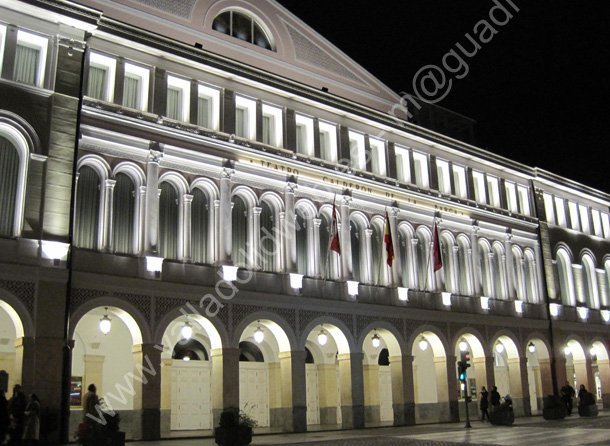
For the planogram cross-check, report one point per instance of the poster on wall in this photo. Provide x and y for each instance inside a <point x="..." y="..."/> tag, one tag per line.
<point x="76" y="391"/>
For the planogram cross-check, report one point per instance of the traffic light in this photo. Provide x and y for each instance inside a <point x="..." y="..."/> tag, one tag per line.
<point x="463" y="366"/>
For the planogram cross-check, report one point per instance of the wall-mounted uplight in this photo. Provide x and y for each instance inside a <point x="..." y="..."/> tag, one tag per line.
<point x="187" y="330"/>
<point x="352" y="287"/>
<point x="403" y="294"/>
<point x="376" y="340"/>
<point x="296" y="281"/>
<point x="259" y="336"/>
<point x="484" y="303"/>
<point x="229" y="273"/>
<point x="500" y="347"/>
<point x="154" y="264"/>
<point x="567" y="350"/>
<point x="519" y="306"/>
<point x="554" y="309"/>
<point x="105" y="323"/>
<point x="583" y="313"/>
<point x="423" y="344"/>
<point x="322" y="337"/>
<point x="55" y="251"/>
<point x="446" y="298"/>
<point x="593" y="351"/>
<point x="605" y="315"/>
<point x="531" y="347"/>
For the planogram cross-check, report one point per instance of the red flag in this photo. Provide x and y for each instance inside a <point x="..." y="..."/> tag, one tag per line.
<point x="334" y="233"/>
<point x="436" y="247"/>
<point x="387" y="238"/>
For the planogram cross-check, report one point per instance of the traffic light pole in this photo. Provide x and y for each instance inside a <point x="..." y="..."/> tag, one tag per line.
<point x="466" y="404"/>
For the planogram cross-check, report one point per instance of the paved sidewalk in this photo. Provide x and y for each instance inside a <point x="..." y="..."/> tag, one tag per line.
<point x="572" y="431"/>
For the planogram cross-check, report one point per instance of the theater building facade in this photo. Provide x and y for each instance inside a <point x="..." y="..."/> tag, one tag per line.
<point x="171" y="176"/>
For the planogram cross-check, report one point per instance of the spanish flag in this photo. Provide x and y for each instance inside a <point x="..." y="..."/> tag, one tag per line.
<point x="389" y="246"/>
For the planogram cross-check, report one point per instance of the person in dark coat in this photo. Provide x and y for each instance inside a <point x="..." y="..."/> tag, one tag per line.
<point x="16" y="409"/>
<point x="31" y="428"/>
<point x="494" y="397"/>
<point x="5" y="420"/>
<point x="484" y="403"/>
<point x="567" y="393"/>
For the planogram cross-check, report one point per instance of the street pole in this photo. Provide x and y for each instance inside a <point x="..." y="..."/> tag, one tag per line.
<point x="466" y="404"/>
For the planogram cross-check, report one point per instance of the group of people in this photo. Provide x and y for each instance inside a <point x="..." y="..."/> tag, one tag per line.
<point x="568" y="393"/>
<point x="19" y="418"/>
<point x="488" y="398"/>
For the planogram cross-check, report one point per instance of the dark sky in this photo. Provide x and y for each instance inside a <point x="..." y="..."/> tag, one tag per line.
<point x="539" y="89"/>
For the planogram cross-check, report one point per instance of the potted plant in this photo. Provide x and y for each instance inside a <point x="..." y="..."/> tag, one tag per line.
<point x="553" y="408"/>
<point x="235" y="428"/>
<point x="502" y="414"/>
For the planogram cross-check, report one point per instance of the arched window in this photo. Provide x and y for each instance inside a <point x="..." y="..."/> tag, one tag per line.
<point x="169" y="212"/>
<point x="445" y="273"/>
<point x="123" y="214"/>
<point x="464" y="266"/>
<point x="566" y="278"/>
<point x="590" y="288"/>
<point x="243" y="27"/>
<point x="486" y="269"/>
<point x="239" y="237"/>
<point x="199" y="226"/>
<point x="9" y="184"/>
<point x="605" y="301"/>
<point x="518" y="272"/>
<point x="405" y="251"/>
<point x="301" y="228"/>
<point x="531" y="277"/>
<point x="425" y="264"/>
<point x="86" y="221"/>
<point x="356" y="241"/>
<point x="378" y="248"/>
<point x="499" y="271"/>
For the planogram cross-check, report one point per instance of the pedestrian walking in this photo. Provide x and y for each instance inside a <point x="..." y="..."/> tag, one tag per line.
<point x="31" y="425"/>
<point x="567" y="394"/>
<point x="484" y="403"/>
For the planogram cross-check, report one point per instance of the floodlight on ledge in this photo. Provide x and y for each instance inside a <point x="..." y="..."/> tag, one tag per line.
<point x="605" y="315"/>
<point x="446" y="298"/>
<point x="55" y="251"/>
<point x="484" y="303"/>
<point x="186" y="358"/>
<point x="519" y="306"/>
<point x="296" y="281"/>
<point x="105" y="323"/>
<point x="583" y="313"/>
<point x="554" y="309"/>
<point x="403" y="294"/>
<point x="531" y="347"/>
<point x="154" y="264"/>
<point x="229" y="273"/>
<point x="352" y="287"/>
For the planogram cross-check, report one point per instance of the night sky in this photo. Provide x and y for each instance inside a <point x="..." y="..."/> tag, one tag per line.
<point x="538" y="89"/>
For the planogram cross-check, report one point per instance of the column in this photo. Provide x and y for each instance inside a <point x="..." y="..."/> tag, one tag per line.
<point x="108" y="211"/>
<point x="546" y="377"/>
<point x="276" y="414"/>
<point x="141" y="220"/>
<point x="561" y="373"/>
<point x="147" y="387"/>
<point x="225" y="380"/>
<point x="474" y="258"/>
<point x="397" y="263"/>
<point x="214" y="234"/>
<point x="446" y="378"/>
<point x="490" y="278"/>
<point x="367" y="274"/>
<point x="603" y="366"/>
<point x="314" y="262"/>
<point x="166" y="395"/>
<point x="519" y="386"/>
<point x="151" y="218"/>
<point x="455" y="286"/>
<point x="484" y="371"/>
<point x="279" y="244"/>
<point x="294" y="391"/>
<point x="352" y="390"/>
<point x="225" y="222"/>
<point x="584" y="373"/>
<point x="254" y="239"/>
<point x="345" y="239"/>
<point x="372" y="409"/>
<point x="187" y="201"/>
<point x="290" y="238"/>
<point x="510" y="274"/>
<point x="413" y="265"/>
<point x="403" y="390"/>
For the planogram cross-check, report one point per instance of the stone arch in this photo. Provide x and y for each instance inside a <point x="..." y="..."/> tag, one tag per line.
<point x="217" y="332"/>
<point x="564" y="260"/>
<point x="337" y="329"/>
<point x="18" y="313"/>
<point x="590" y="282"/>
<point x="281" y="330"/>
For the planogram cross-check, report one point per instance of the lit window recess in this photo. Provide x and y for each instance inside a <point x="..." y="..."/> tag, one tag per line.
<point x="519" y="306"/>
<point x="352" y="287"/>
<point x="403" y="294"/>
<point x="102" y="72"/>
<point x="304" y="134"/>
<point x="245" y="118"/>
<point x="2" y="40"/>
<point x="154" y="264"/>
<point x="229" y="273"/>
<point x="55" y="251"/>
<point x="446" y="299"/>
<point x="30" y="59"/>
<point x="135" y="87"/>
<point x="484" y="303"/>
<point x="378" y="164"/>
<point x="403" y="165"/>
<point x="357" y="153"/>
<point x="554" y="309"/>
<point x="272" y="126"/>
<point x="296" y="281"/>
<point x="583" y="313"/>
<point x="328" y="141"/>
<point x="208" y="107"/>
<point x="178" y="98"/>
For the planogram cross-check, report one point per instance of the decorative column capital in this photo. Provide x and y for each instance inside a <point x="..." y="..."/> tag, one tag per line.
<point x="291" y="187"/>
<point x="346" y="200"/>
<point x="187" y="198"/>
<point x="110" y="183"/>
<point x="227" y="173"/>
<point x="154" y="156"/>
